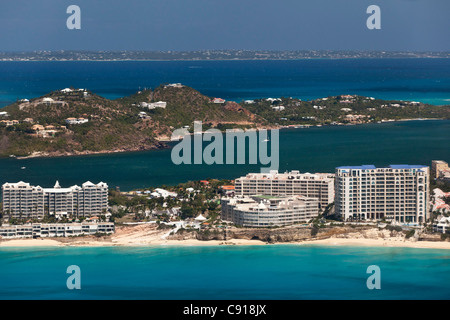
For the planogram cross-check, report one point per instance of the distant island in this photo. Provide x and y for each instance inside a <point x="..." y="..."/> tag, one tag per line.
<point x="210" y="55"/>
<point x="77" y="121"/>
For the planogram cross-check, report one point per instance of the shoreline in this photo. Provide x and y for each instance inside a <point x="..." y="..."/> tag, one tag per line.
<point x="330" y="242"/>
<point x="162" y="144"/>
<point x="218" y="60"/>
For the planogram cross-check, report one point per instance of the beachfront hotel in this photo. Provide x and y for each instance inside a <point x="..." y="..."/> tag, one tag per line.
<point x="44" y="230"/>
<point x="22" y="200"/>
<point x="397" y="192"/>
<point x="317" y="185"/>
<point x="267" y="211"/>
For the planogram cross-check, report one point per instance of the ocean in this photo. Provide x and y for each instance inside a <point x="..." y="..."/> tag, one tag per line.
<point x="425" y="80"/>
<point x="222" y="272"/>
<point x="273" y="272"/>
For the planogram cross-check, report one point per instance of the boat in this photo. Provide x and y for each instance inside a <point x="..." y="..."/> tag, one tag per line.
<point x="23" y="168"/>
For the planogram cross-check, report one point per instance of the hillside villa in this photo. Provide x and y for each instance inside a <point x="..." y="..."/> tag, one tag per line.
<point x="76" y="120"/>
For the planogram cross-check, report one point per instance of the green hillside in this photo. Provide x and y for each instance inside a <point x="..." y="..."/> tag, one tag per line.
<point x="39" y="128"/>
<point x="113" y="125"/>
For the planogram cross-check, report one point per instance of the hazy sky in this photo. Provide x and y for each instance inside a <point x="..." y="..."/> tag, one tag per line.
<point x="416" y="25"/>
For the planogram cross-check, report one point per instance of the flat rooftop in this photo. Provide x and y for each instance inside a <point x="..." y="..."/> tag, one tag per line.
<point x="274" y="175"/>
<point x="391" y="166"/>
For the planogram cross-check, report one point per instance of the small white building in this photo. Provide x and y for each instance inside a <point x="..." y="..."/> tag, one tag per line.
<point x="48" y="100"/>
<point x="174" y="85"/>
<point x="200" y="219"/>
<point x="143" y="115"/>
<point x="76" y="120"/>
<point x="272" y="100"/>
<point x="218" y="100"/>
<point x="442" y="225"/>
<point x="163" y="193"/>
<point x="159" y="104"/>
<point x="154" y="105"/>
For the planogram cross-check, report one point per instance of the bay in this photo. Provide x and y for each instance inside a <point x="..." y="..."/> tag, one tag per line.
<point x="316" y="149"/>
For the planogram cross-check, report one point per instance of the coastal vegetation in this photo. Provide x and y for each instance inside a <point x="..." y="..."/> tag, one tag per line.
<point x="343" y="109"/>
<point x="40" y="126"/>
<point x="192" y="199"/>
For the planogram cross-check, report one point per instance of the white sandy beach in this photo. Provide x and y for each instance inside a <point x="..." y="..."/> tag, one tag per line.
<point x="379" y="243"/>
<point x="90" y="243"/>
<point x="240" y="242"/>
<point x="149" y="235"/>
<point x="31" y="243"/>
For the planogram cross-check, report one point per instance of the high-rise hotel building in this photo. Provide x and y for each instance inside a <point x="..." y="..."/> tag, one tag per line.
<point x="22" y="200"/>
<point x="398" y="192"/>
<point x="317" y="185"/>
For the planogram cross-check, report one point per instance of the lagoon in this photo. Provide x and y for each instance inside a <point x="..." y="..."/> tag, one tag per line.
<point x="316" y="149"/>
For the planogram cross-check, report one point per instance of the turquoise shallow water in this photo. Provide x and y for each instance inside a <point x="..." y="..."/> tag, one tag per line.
<point x="308" y="150"/>
<point x="255" y="272"/>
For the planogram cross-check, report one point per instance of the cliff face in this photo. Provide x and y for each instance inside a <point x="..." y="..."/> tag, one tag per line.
<point x="286" y="234"/>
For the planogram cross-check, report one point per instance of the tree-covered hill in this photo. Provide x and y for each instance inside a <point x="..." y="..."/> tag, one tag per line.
<point x="40" y="126"/>
<point x="77" y="121"/>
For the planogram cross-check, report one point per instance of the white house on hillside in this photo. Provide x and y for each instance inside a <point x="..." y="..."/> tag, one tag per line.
<point x="153" y="105"/>
<point x="76" y="120"/>
<point x="218" y="100"/>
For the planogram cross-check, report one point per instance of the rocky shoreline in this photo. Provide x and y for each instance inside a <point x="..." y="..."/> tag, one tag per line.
<point x="159" y="145"/>
<point x="149" y="235"/>
<point x="303" y="234"/>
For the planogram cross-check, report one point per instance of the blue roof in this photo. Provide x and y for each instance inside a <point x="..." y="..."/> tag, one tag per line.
<point x="392" y="166"/>
<point x="363" y="167"/>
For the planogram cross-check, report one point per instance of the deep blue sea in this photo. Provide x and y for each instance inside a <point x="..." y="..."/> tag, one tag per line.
<point x="235" y="273"/>
<point x="425" y="80"/>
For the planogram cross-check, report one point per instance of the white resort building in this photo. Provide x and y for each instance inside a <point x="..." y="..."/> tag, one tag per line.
<point x="267" y="211"/>
<point x="317" y="185"/>
<point x="45" y="230"/>
<point x="398" y="193"/>
<point x="21" y="200"/>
